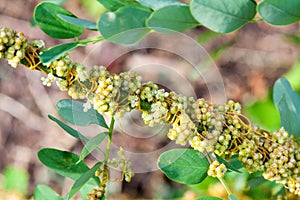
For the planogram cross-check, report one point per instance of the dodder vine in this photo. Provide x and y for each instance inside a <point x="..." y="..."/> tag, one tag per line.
<point x="207" y="127"/>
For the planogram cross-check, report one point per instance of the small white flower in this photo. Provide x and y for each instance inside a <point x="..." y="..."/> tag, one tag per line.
<point x="47" y="81"/>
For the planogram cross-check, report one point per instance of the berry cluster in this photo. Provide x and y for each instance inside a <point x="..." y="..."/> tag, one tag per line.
<point x="217" y="169"/>
<point x="12" y="46"/>
<point x="123" y="165"/>
<point x="96" y="194"/>
<point x="99" y="192"/>
<point x="283" y="166"/>
<point x="218" y="129"/>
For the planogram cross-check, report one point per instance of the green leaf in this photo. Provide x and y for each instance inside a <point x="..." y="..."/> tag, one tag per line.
<point x="15" y="179"/>
<point x="55" y="52"/>
<point x="92" y="144"/>
<point x="58" y="2"/>
<point x="44" y="192"/>
<point x="79" y="22"/>
<point x="255" y="182"/>
<point x="46" y="16"/>
<point x="234" y="164"/>
<point x="163" y="20"/>
<point x="72" y="111"/>
<point x="281" y="192"/>
<point x="114" y="5"/>
<point x="66" y="164"/>
<point x="185" y="166"/>
<point x="287" y="102"/>
<point x="145" y="105"/>
<point x="157" y="4"/>
<point x="209" y="198"/>
<point x="223" y="16"/>
<point x="86" y="189"/>
<point x="279" y="12"/>
<point x="125" y="26"/>
<point x="83" y="179"/>
<point x="69" y="129"/>
<point x="63" y="162"/>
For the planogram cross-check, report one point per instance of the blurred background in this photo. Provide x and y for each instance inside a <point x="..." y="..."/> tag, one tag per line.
<point x="242" y="66"/>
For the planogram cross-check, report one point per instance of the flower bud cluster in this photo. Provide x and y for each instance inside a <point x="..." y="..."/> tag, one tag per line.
<point x="12" y="46"/>
<point x="156" y="115"/>
<point x="216" y="170"/>
<point x="157" y="105"/>
<point x="106" y="90"/>
<point x="151" y="101"/>
<point x="123" y="165"/>
<point x="161" y="107"/>
<point x="210" y="125"/>
<point x="183" y="130"/>
<point x="96" y="194"/>
<point x="283" y="165"/>
<point x="251" y="156"/>
<point x="47" y="81"/>
<point x="99" y="192"/>
<point x="62" y="66"/>
<point x="112" y="91"/>
<point x="130" y="84"/>
<point x="107" y="93"/>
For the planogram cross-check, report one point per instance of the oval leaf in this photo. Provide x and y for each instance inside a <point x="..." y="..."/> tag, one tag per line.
<point x="92" y="144"/>
<point x="254" y="182"/>
<point x="63" y="162"/>
<point x="157" y="4"/>
<point x="209" y="198"/>
<point x="44" y="192"/>
<point x="185" y="166"/>
<point x="79" y="22"/>
<point x="86" y="189"/>
<point x="163" y="19"/>
<point x="55" y="52"/>
<point x="114" y="5"/>
<point x="287" y="102"/>
<point x="83" y="179"/>
<point x="223" y="16"/>
<point x="279" y="12"/>
<point x="72" y="111"/>
<point x="234" y="164"/>
<point x="58" y="2"/>
<point x="69" y="129"/>
<point x="125" y="26"/>
<point x="46" y="16"/>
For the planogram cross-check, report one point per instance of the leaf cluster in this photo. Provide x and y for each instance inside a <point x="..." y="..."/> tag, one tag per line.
<point x="66" y="163"/>
<point x="127" y="21"/>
